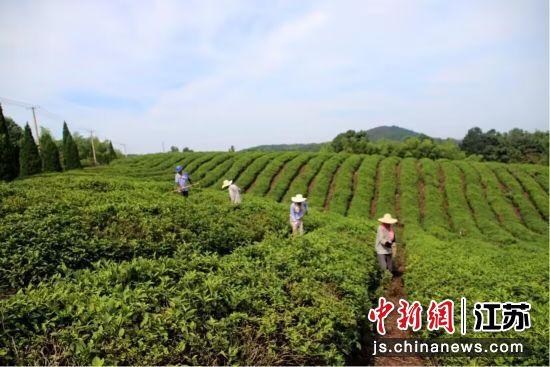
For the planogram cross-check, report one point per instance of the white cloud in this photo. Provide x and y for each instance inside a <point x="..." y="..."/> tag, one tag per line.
<point x="216" y="73"/>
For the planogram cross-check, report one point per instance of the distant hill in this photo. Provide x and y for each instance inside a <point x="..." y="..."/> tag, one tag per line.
<point x="393" y="132"/>
<point x="312" y="147"/>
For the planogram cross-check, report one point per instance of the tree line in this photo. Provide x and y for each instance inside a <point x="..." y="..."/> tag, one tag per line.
<point x="20" y="156"/>
<point x="515" y="146"/>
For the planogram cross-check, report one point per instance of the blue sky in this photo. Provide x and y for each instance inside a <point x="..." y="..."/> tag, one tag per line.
<point x="211" y="74"/>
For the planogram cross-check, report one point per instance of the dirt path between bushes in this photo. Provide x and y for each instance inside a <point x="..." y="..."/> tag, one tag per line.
<point x="396" y="292"/>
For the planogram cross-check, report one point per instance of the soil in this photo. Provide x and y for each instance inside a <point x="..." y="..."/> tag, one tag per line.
<point x="299" y="174"/>
<point x="331" y="189"/>
<point x="464" y="186"/>
<point x="394" y="294"/>
<point x="275" y="178"/>
<point x="375" y="194"/>
<point x="311" y="185"/>
<point x="444" y="196"/>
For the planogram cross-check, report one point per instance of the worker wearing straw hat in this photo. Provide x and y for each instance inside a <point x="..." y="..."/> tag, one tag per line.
<point x="234" y="191"/>
<point x="298" y="208"/>
<point x="385" y="239"/>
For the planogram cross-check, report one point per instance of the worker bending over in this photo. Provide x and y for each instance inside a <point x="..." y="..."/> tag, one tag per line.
<point x="234" y="191"/>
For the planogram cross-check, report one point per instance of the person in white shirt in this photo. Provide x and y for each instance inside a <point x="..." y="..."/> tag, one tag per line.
<point x="234" y="191"/>
<point x="183" y="181"/>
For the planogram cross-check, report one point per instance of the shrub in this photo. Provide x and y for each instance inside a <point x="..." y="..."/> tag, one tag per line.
<point x="250" y="174"/>
<point x="435" y="216"/>
<point x="500" y="203"/>
<point x="387" y="187"/>
<point x="360" y="204"/>
<point x="485" y="217"/>
<point x="241" y="163"/>
<point x="264" y="180"/>
<point x="409" y="201"/>
<point x="458" y="206"/>
<point x="538" y="196"/>
<point x="531" y="217"/>
<point x="300" y="185"/>
<point x="291" y="169"/>
<point x="321" y="183"/>
<point x="344" y="183"/>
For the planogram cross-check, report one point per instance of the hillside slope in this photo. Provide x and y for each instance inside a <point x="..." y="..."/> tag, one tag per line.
<point x="126" y="271"/>
<point x="393" y="133"/>
<point x="446" y="193"/>
<point x="475" y="213"/>
<point x="123" y="273"/>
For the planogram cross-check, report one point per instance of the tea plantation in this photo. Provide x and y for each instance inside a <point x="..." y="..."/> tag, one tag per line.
<point x="109" y="266"/>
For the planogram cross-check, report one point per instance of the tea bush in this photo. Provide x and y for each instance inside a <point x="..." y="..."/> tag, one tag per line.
<point x="344" y="185"/>
<point x="360" y="204"/>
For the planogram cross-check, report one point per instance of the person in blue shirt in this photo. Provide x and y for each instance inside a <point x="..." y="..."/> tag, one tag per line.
<point x="298" y="209"/>
<point x="183" y="181"/>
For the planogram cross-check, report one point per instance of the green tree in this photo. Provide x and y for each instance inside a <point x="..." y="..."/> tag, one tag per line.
<point x="50" y="153"/>
<point x="174" y="149"/>
<point x="29" y="157"/>
<point x="351" y="141"/>
<point x="15" y="131"/>
<point x="71" y="159"/>
<point x="516" y="145"/>
<point x="9" y="152"/>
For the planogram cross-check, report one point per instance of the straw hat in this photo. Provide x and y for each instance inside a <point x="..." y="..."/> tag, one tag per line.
<point x="298" y="199"/>
<point x="387" y="219"/>
<point x="226" y="183"/>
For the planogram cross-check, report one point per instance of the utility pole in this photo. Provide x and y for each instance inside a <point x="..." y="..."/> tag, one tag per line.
<point x="93" y="146"/>
<point x="163" y="147"/>
<point x="36" y="126"/>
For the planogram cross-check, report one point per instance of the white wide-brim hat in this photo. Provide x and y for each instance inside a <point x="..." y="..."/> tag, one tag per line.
<point x="298" y="199"/>
<point x="226" y="183"/>
<point x="387" y="218"/>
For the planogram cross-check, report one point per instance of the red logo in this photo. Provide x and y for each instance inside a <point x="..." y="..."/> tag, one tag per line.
<point x="380" y="313"/>
<point x="441" y="315"/>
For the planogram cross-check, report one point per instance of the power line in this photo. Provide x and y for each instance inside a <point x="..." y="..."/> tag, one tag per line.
<point x="52" y="115"/>
<point x="27" y="106"/>
<point x="17" y="103"/>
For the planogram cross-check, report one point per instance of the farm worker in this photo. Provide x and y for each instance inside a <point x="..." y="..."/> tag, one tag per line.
<point x="234" y="191"/>
<point x="183" y="181"/>
<point x="298" y="209"/>
<point x="385" y="238"/>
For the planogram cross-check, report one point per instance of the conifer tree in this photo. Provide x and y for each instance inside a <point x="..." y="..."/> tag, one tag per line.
<point x="29" y="157"/>
<point x="9" y="153"/>
<point x="49" y="153"/>
<point x="71" y="159"/>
